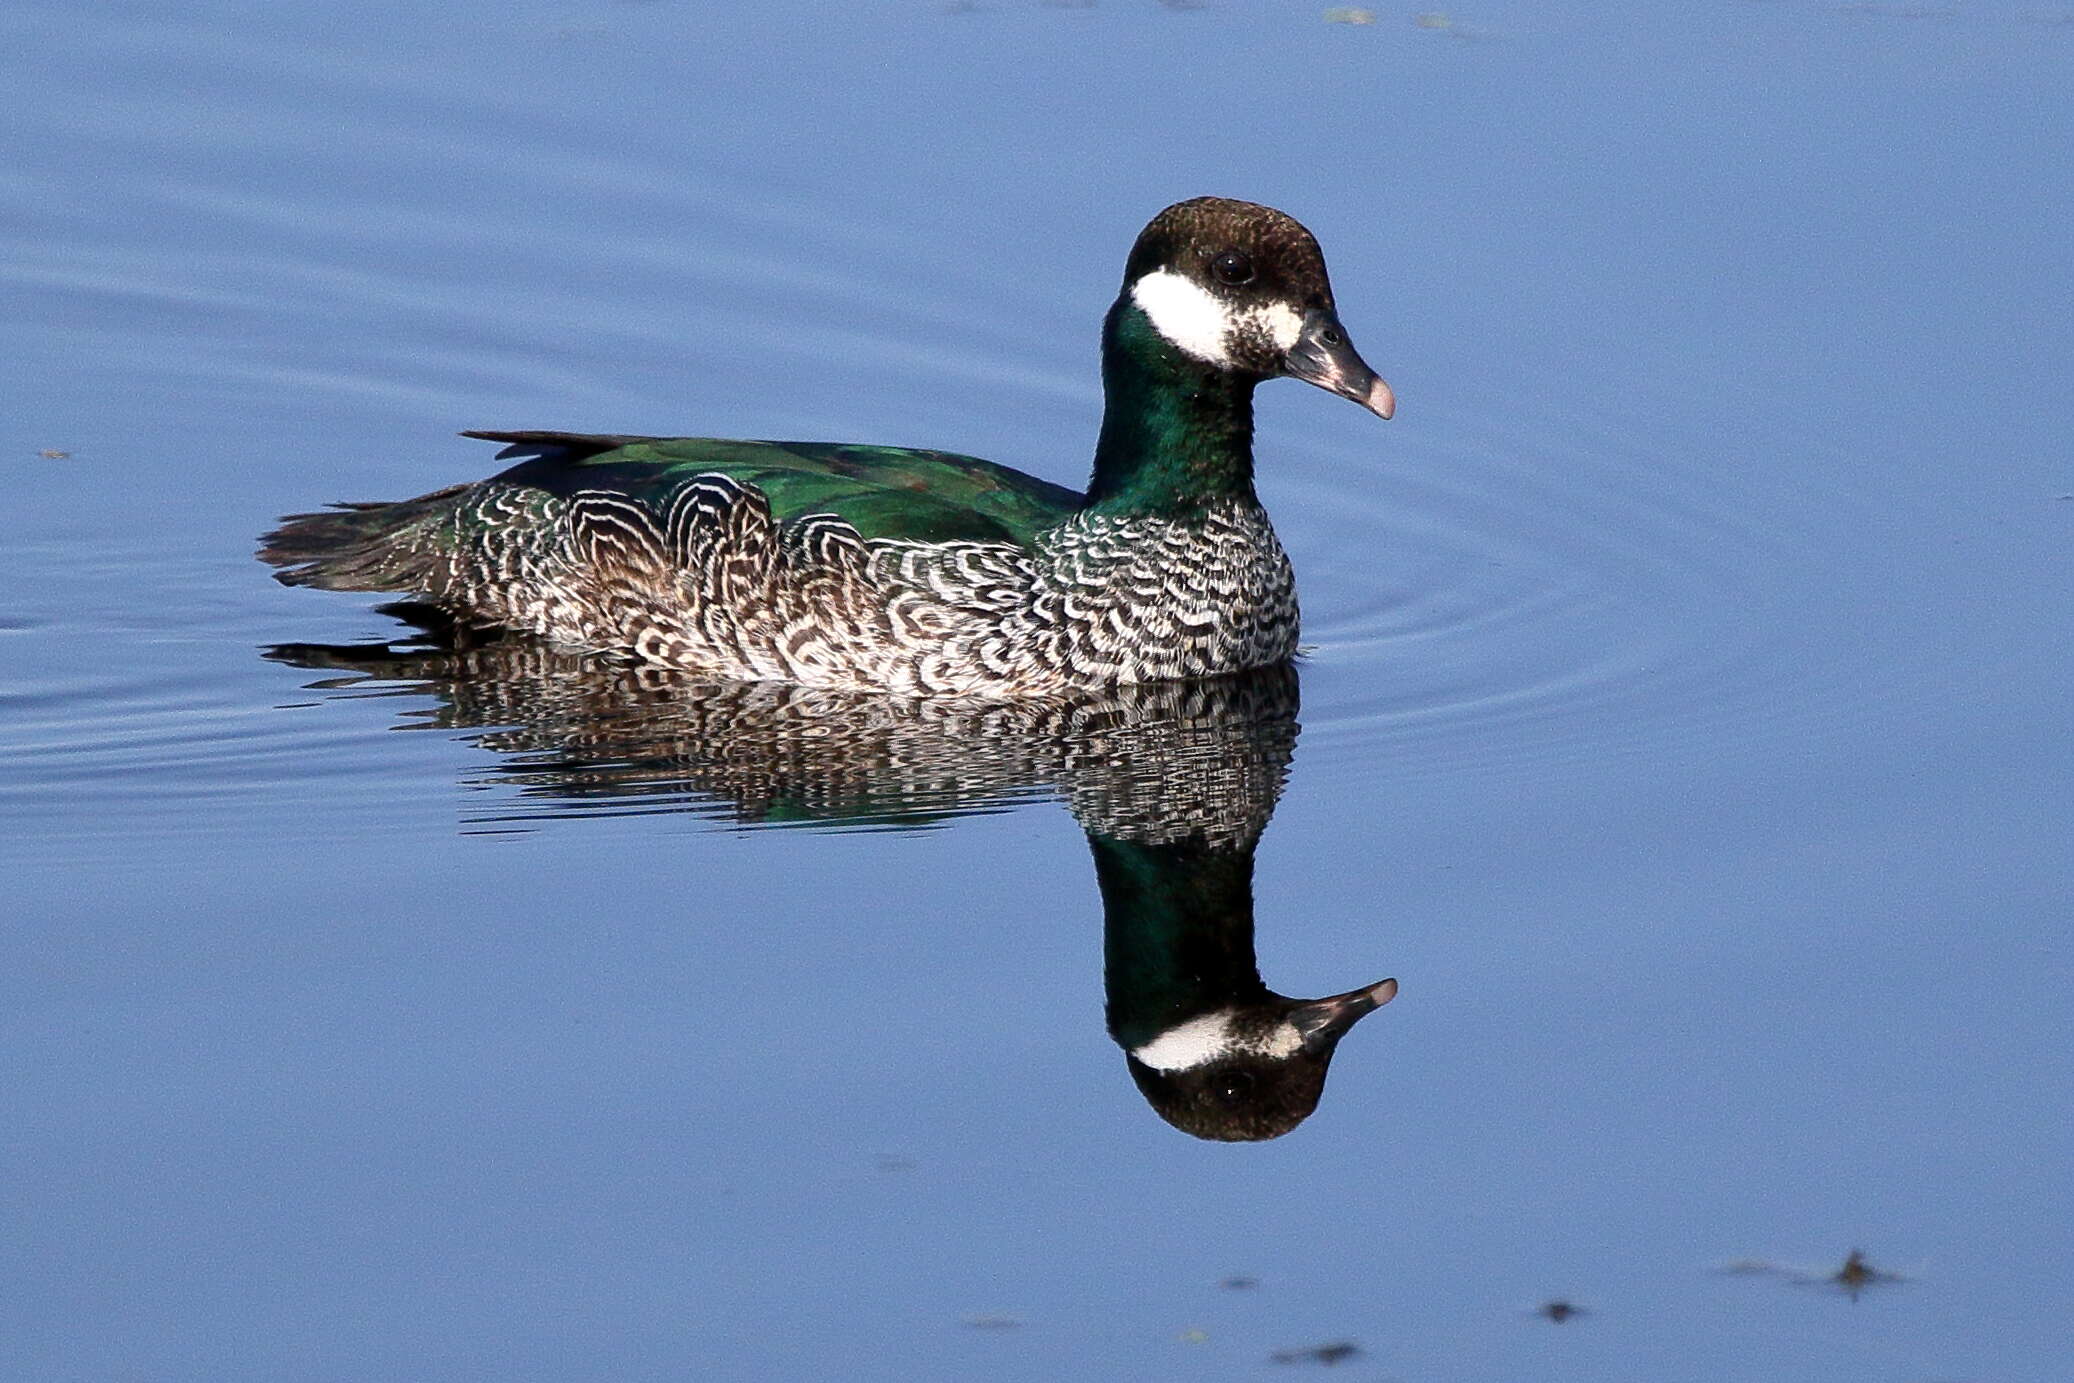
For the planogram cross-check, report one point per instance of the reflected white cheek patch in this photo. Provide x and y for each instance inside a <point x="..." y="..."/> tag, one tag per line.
<point x="1189" y="1045"/>
<point x="1185" y="313"/>
<point x="1205" y="1039"/>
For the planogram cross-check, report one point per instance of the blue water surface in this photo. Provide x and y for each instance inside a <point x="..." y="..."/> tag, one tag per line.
<point x="1685" y="723"/>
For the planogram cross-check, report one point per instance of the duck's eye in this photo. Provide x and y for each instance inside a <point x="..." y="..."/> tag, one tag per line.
<point x="1233" y="267"/>
<point x="1232" y="1087"/>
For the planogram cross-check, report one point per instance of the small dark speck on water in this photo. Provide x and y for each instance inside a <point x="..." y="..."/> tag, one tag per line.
<point x="1856" y="1275"/>
<point x="984" y="1322"/>
<point x="1441" y="22"/>
<point x="1900" y="11"/>
<point x="1338" y="1352"/>
<point x="1853" y="1277"/>
<point x="1238" y="1284"/>
<point x="1560" y="1311"/>
<point x="1747" y="1267"/>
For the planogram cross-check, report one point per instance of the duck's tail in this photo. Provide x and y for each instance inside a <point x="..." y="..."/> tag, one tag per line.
<point x="399" y="545"/>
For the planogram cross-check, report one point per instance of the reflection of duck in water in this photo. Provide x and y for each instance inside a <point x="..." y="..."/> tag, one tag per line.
<point x="919" y="572"/>
<point x="1173" y="783"/>
<point x="1215" y="1051"/>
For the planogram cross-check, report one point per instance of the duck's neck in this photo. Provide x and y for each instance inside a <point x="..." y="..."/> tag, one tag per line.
<point x="1177" y="933"/>
<point x="1177" y="434"/>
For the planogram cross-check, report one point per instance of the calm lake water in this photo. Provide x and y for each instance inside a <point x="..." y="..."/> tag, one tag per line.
<point x="1686" y="726"/>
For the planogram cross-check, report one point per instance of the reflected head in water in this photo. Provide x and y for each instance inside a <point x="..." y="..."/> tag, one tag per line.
<point x="1247" y="1073"/>
<point x="1212" y="1048"/>
<point x="1172" y="782"/>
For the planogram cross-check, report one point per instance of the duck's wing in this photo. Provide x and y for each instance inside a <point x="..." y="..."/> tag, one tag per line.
<point x="883" y="492"/>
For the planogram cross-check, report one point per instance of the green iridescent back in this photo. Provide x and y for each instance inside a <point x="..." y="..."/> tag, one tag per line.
<point x="882" y="492"/>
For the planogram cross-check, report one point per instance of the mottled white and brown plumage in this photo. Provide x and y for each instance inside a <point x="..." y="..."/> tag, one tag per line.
<point x="1161" y="763"/>
<point x="910" y="571"/>
<point x="1173" y="783"/>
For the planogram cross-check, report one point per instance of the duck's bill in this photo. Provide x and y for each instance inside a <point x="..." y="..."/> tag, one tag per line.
<point x="1322" y="1021"/>
<point x="1323" y="355"/>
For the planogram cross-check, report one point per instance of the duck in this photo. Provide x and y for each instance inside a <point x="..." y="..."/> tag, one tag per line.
<point x="1214" y="1051"/>
<point x="917" y="572"/>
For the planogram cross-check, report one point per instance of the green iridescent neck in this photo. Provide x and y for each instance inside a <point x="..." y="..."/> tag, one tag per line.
<point x="1177" y="434"/>
<point x="1177" y="933"/>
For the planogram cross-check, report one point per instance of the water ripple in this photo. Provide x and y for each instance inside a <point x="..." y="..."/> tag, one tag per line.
<point x="1508" y="600"/>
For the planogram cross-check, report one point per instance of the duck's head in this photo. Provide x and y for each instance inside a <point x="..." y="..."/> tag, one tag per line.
<point x="1241" y="288"/>
<point x="1251" y="1071"/>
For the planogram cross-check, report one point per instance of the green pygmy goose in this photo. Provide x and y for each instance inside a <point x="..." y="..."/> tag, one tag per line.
<point x="917" y="572"/>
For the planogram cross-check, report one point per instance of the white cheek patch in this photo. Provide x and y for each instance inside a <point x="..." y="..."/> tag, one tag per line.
<point x="1186" y="313"/>
<point x="1278" y="322"/>
<point x="1205" y="1039"/>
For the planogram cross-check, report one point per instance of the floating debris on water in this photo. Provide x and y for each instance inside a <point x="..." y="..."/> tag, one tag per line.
<point x="1441" y="22"/>
<point x="987" y="1322"/>
<point x="1347" y="14"/>
<point x="55" y="455"/>
<point x="1237" y="1284"/>
<point x="1853" y="1277"/>
<point x="1856" y="1275"/>
<point x="1747" y="1267"/>
<point x="1194" y="1335"/>
<point x="1559" y="1310"/>
<point x="1338" y="1352"/>
<point x="1900" y="11"/>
